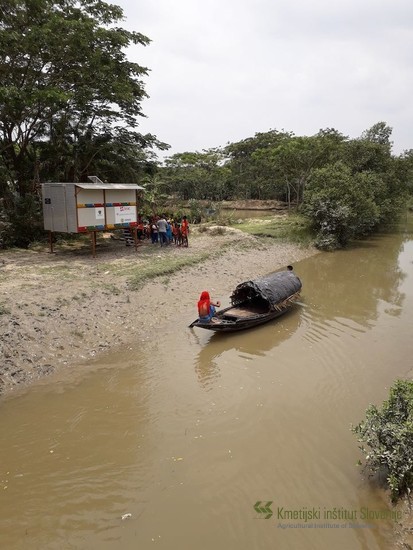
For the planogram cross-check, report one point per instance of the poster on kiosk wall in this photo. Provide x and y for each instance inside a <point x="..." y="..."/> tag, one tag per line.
<point x="125" y="214"/>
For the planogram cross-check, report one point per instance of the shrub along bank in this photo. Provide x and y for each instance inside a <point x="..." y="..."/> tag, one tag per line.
<point x="388" y="434"/>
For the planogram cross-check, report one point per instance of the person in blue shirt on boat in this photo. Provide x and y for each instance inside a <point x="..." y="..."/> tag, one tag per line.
<point x="206" y="308"/>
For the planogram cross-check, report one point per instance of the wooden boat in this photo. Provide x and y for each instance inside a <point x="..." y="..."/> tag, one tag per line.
<point x="256" y="302"/>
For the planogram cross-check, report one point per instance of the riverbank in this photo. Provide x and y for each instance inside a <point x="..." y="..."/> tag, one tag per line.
<point x="251" y="204"/>
<point x="248" y="204"/>
<point x="62" y="309"/>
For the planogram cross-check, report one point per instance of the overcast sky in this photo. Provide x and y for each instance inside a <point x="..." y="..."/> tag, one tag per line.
<point x="222" y="70"/>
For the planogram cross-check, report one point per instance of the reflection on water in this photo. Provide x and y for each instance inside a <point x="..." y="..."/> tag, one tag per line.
<point x="186" y="434"/>
<point x="245" y="344"/>
<point x="351" y="288"/>
<point x="352" y="283"/>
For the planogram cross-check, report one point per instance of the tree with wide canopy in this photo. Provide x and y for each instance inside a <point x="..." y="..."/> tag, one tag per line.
<point x="67" y="89"/>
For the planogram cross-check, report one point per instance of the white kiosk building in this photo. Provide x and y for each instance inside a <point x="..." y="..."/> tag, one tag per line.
<point x="90" y="207"/>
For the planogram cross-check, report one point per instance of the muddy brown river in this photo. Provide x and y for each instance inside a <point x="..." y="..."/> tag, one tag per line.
<point x="195" y="439"/>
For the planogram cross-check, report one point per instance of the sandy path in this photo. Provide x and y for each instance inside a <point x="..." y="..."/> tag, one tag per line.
<point x="59" y="310"/>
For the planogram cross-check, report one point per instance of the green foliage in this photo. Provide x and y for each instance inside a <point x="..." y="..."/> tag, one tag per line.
<point x="363" y="155"/>
<point x="379" y="133"/>
<point x="252" y="168"/>
<point x="410" y="203"/>
<point x="70" y="100"/>
<point x="278" y="164"/>
<point x="21" y="222"/>
<point x="195" y="210"/>
<point x="343" y="206"/>
<point x="365" y="188"/>
<point x="388" y="433"/>
<point x="195" y="175"/>
<point x="155" y="195"/>
<point x="64" y="80"/>
<point x="293" y="159"/>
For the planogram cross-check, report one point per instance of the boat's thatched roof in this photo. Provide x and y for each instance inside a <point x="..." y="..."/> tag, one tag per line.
<point x="273" y="288"/>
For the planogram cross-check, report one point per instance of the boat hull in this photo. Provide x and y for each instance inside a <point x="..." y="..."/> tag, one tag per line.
<point x="220" y="324"/>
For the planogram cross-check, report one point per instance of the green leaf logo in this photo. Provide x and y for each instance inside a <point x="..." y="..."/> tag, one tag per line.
<point x="261" y="508"/>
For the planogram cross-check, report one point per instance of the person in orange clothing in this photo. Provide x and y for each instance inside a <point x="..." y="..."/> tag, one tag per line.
<point x="206" y="308"/>
<point x="176" y="233"/>
<point x="184" y="231"/>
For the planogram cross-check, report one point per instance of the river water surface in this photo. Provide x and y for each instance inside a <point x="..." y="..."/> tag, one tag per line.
<point x="188" y="431"/>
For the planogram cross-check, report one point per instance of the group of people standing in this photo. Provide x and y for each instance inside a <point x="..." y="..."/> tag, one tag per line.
<point x="164" y="231"/>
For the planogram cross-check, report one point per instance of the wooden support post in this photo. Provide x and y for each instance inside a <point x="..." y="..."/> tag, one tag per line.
<point x="135" y="238"/>
<point x="93" y="236"/>
<point x="51" y="241"/>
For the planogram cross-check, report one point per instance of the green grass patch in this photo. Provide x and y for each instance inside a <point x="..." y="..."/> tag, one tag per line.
<point x="168" y="265"/>
<point x="293" y="228"/>
<point x="164" y="267"/>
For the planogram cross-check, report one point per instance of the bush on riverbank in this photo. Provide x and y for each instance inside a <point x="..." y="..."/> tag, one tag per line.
<point x="343" y="205"/>
<point x="388" y="432"/>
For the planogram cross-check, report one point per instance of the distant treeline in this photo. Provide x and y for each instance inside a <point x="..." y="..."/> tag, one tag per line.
<point x="347" y="187"/>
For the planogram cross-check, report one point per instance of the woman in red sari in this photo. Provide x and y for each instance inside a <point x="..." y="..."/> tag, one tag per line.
<point x="206" y="308"/>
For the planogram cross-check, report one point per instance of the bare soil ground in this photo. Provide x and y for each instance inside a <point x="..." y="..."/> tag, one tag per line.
<point x="58" y="310"/>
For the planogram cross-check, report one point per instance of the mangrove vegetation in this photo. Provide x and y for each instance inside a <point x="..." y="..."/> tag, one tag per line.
<point x="386" y="437"/>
